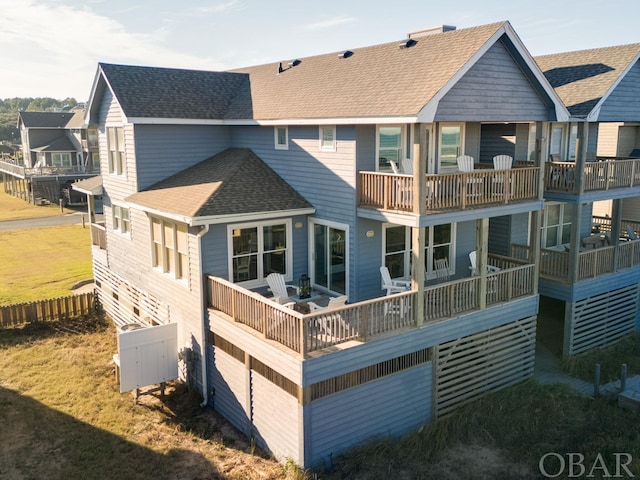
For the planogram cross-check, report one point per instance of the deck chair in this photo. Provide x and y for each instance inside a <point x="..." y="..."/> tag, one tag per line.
<point x="502" y="162"/>
<point x="335" y="302"/>
<point x="279" y="289"/>
<point x="442" y="269"/>
<point x="631" y="233"/>
<point x="393" y="286"/>
<point x="407" y="166"/>
<point x="473" y="267"/>
<point x="394" y="167"/>
<point x="465" y="163"/>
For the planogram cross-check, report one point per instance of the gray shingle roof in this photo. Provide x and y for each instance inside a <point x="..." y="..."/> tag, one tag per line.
<point x="583" y="77"/>
<point x="48" y="119"/>
<point x="233" y="182"/>
<point x="154" y="92"/>
<point x="377" y="81"/>
<point x="62" y="144"/>
<point x="91" y="185"/>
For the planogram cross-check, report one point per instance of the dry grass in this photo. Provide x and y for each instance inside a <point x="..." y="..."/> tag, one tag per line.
<point x="12" y="208"/>
<point x="40" y="263"/>
<point x="63" y="417"/>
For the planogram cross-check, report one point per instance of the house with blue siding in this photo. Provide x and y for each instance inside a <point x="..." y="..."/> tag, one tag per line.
<point x="328" y="168"/>
<point x="590" y="256"/>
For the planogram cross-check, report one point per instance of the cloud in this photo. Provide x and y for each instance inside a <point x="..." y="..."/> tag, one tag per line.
<point x="53" y="49"/>
<point x="328" y="23"/>
<point x="221" y="7"/>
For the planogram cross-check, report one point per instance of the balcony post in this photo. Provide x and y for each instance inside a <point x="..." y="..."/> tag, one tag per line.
<point x="582" y="141"/>
<point x="420" y="208"/>
<point x="574" y="251"/>
<point x="482" y="246"/>
<point x="616" y="222"/>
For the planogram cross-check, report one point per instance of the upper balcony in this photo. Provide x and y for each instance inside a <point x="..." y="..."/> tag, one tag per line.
<point x="306" y="334"/>
<point x="21" y="171"/>
<point x="483" y="187"/>
<point x="605" y="174"/>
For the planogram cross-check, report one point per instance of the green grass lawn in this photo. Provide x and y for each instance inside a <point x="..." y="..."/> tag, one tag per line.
<point x="40" y="263"/>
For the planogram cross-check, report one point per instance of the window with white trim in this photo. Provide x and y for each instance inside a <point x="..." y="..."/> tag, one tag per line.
<point x="115" y="148"/>
<point x="327" y="138"/>
<point x="258" y="249"/>
<point x="61" y="159"/>
<point x="556" y="230"/>
<point x="169" y="241"/>
<point x="121" y="221"/>
<point x="531" y="147"/>
<point x="397" y="249"/>
<point x="451" y="144"/>
<point x="281" y="138"/>
<point x="389" y="146"/>
<point x="555" y="145"/>
<point x="573" y="140"/>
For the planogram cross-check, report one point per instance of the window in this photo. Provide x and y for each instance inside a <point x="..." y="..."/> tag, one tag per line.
<point x="115" y="147"/>
<point x="258" y="250"/>
<point x="328" y="139"/>
<point x="451" y="146"/>
<point x="389" y="147"/>
<point x="121" y="219"/>
<point x="555" y="145"/>
<point x="556" y="230"/>
<point x="573" y="136"/>
<point x="169" y="241"/>
<point x="61" y="159"/>
<point x="397" y="249"/>
<point x="281" y="137"/>
<point x="95" y="161"/>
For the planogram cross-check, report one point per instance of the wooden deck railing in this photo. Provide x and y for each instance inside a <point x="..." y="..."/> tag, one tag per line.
<point x="361" y="321"/>
<point x="601" y="175"/>
<point x="452" y="191"/>
<point x="99" y="235"/>
<point x="554" y="264"/>
<point x="603" y="224"/>
<point x="22" y="171"/>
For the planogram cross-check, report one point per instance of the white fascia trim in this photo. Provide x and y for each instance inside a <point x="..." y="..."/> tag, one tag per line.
<point x="290" y="121"/>
<point x="249" y="217"/>
<point x="428" y="112"/>
<point x="595" y="111"/>
<point x="95" y="191"/>
<point x="159" y="213"/>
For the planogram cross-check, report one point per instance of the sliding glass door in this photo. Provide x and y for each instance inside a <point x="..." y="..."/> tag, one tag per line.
<point x="329" y="256"/>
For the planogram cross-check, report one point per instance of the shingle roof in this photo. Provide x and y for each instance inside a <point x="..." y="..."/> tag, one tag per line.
<point x="154" y="92"/>
<point x="380" y="80"/>
<point x="377" y="81"/>
<point x="62" y="144"/>
<point x="233" y="182"/>
<point x="582" y="78"/>
<point x="91" y="185"/>
<point x="46" y="119"/>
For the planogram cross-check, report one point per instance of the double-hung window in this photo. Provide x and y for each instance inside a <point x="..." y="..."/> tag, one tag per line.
<point x="328" y="138"/>
<point x="389" y="145"/>
<point x="556" y="230"/>
<point x="531" y="146"/>
<point x="259" y="249"/>
<point x="451" y="144"/>
<point x="115" y="147"/>
<point x="397" y="249"/>
<point x="61" y="159"/>
<point x="121" y="221"/>
<point x="281" y="138"/>
<point x="169" y="241"/>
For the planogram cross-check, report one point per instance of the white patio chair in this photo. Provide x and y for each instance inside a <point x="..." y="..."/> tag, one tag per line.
<point x="465" y="163"/>
<point x="473" y="266"/>
<point x="279" y="289"/>
<point x="407" y="166"/>
<point x="334" y="302"/>
<point x="393" y="286"/>
<point x="442" y="269"/>
<point x="394" y="167"/>
<point x="502" y="162"/>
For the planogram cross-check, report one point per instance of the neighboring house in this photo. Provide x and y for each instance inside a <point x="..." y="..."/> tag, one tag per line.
<point x="57" y="149"/>
<point x="590" y="257"/>
<point x="213" y="180"/>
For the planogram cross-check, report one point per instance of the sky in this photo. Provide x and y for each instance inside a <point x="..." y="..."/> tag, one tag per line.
<point x="51" y="48"/>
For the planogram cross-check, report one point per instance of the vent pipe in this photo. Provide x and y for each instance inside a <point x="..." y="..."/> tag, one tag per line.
<point x="430" y="31"/>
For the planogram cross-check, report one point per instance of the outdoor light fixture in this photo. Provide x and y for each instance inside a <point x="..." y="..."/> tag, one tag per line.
<point x="305" y="286"/>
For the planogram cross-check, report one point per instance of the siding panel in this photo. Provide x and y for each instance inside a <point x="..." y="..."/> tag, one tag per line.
<point x="624" y="102"/>
<point x="229" y="378"/>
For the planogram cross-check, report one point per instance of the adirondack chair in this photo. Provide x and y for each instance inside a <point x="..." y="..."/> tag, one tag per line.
<point x="473" y="267"/>
<point x="465" y="163"/>
<point x="335" y="302"/>
<point x="331" y="322"/>
<point x="279" y="288"/>
<point x="407" y="166"/>
<point x="442" y="269"/>
<point x="501" y="162"/>
<point x="393" y="286"/>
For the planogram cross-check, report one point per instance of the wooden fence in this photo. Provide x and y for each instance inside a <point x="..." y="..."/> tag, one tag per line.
<point x="51" y="310"/>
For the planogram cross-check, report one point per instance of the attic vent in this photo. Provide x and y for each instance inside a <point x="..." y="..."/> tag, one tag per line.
<point x="345" y="54"/>
<point x="291" y="64"/>
<point x="430" y="31"/>
<point x="410" y="42"/>
<point x="295" y="63"/>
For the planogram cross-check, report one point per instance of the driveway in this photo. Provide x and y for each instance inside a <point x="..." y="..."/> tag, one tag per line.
<point x="68" y="219"/>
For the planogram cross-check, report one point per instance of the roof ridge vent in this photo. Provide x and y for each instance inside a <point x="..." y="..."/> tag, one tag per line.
<point x="430" y="31"/>
<point x="345" y="54"/>
<point x="408" y="43"/>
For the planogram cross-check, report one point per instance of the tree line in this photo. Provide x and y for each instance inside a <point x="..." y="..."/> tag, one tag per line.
<point x="10" y="107"/>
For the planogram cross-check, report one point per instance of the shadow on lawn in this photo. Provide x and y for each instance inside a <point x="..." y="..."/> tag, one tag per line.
<point x="39" y="442"/>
